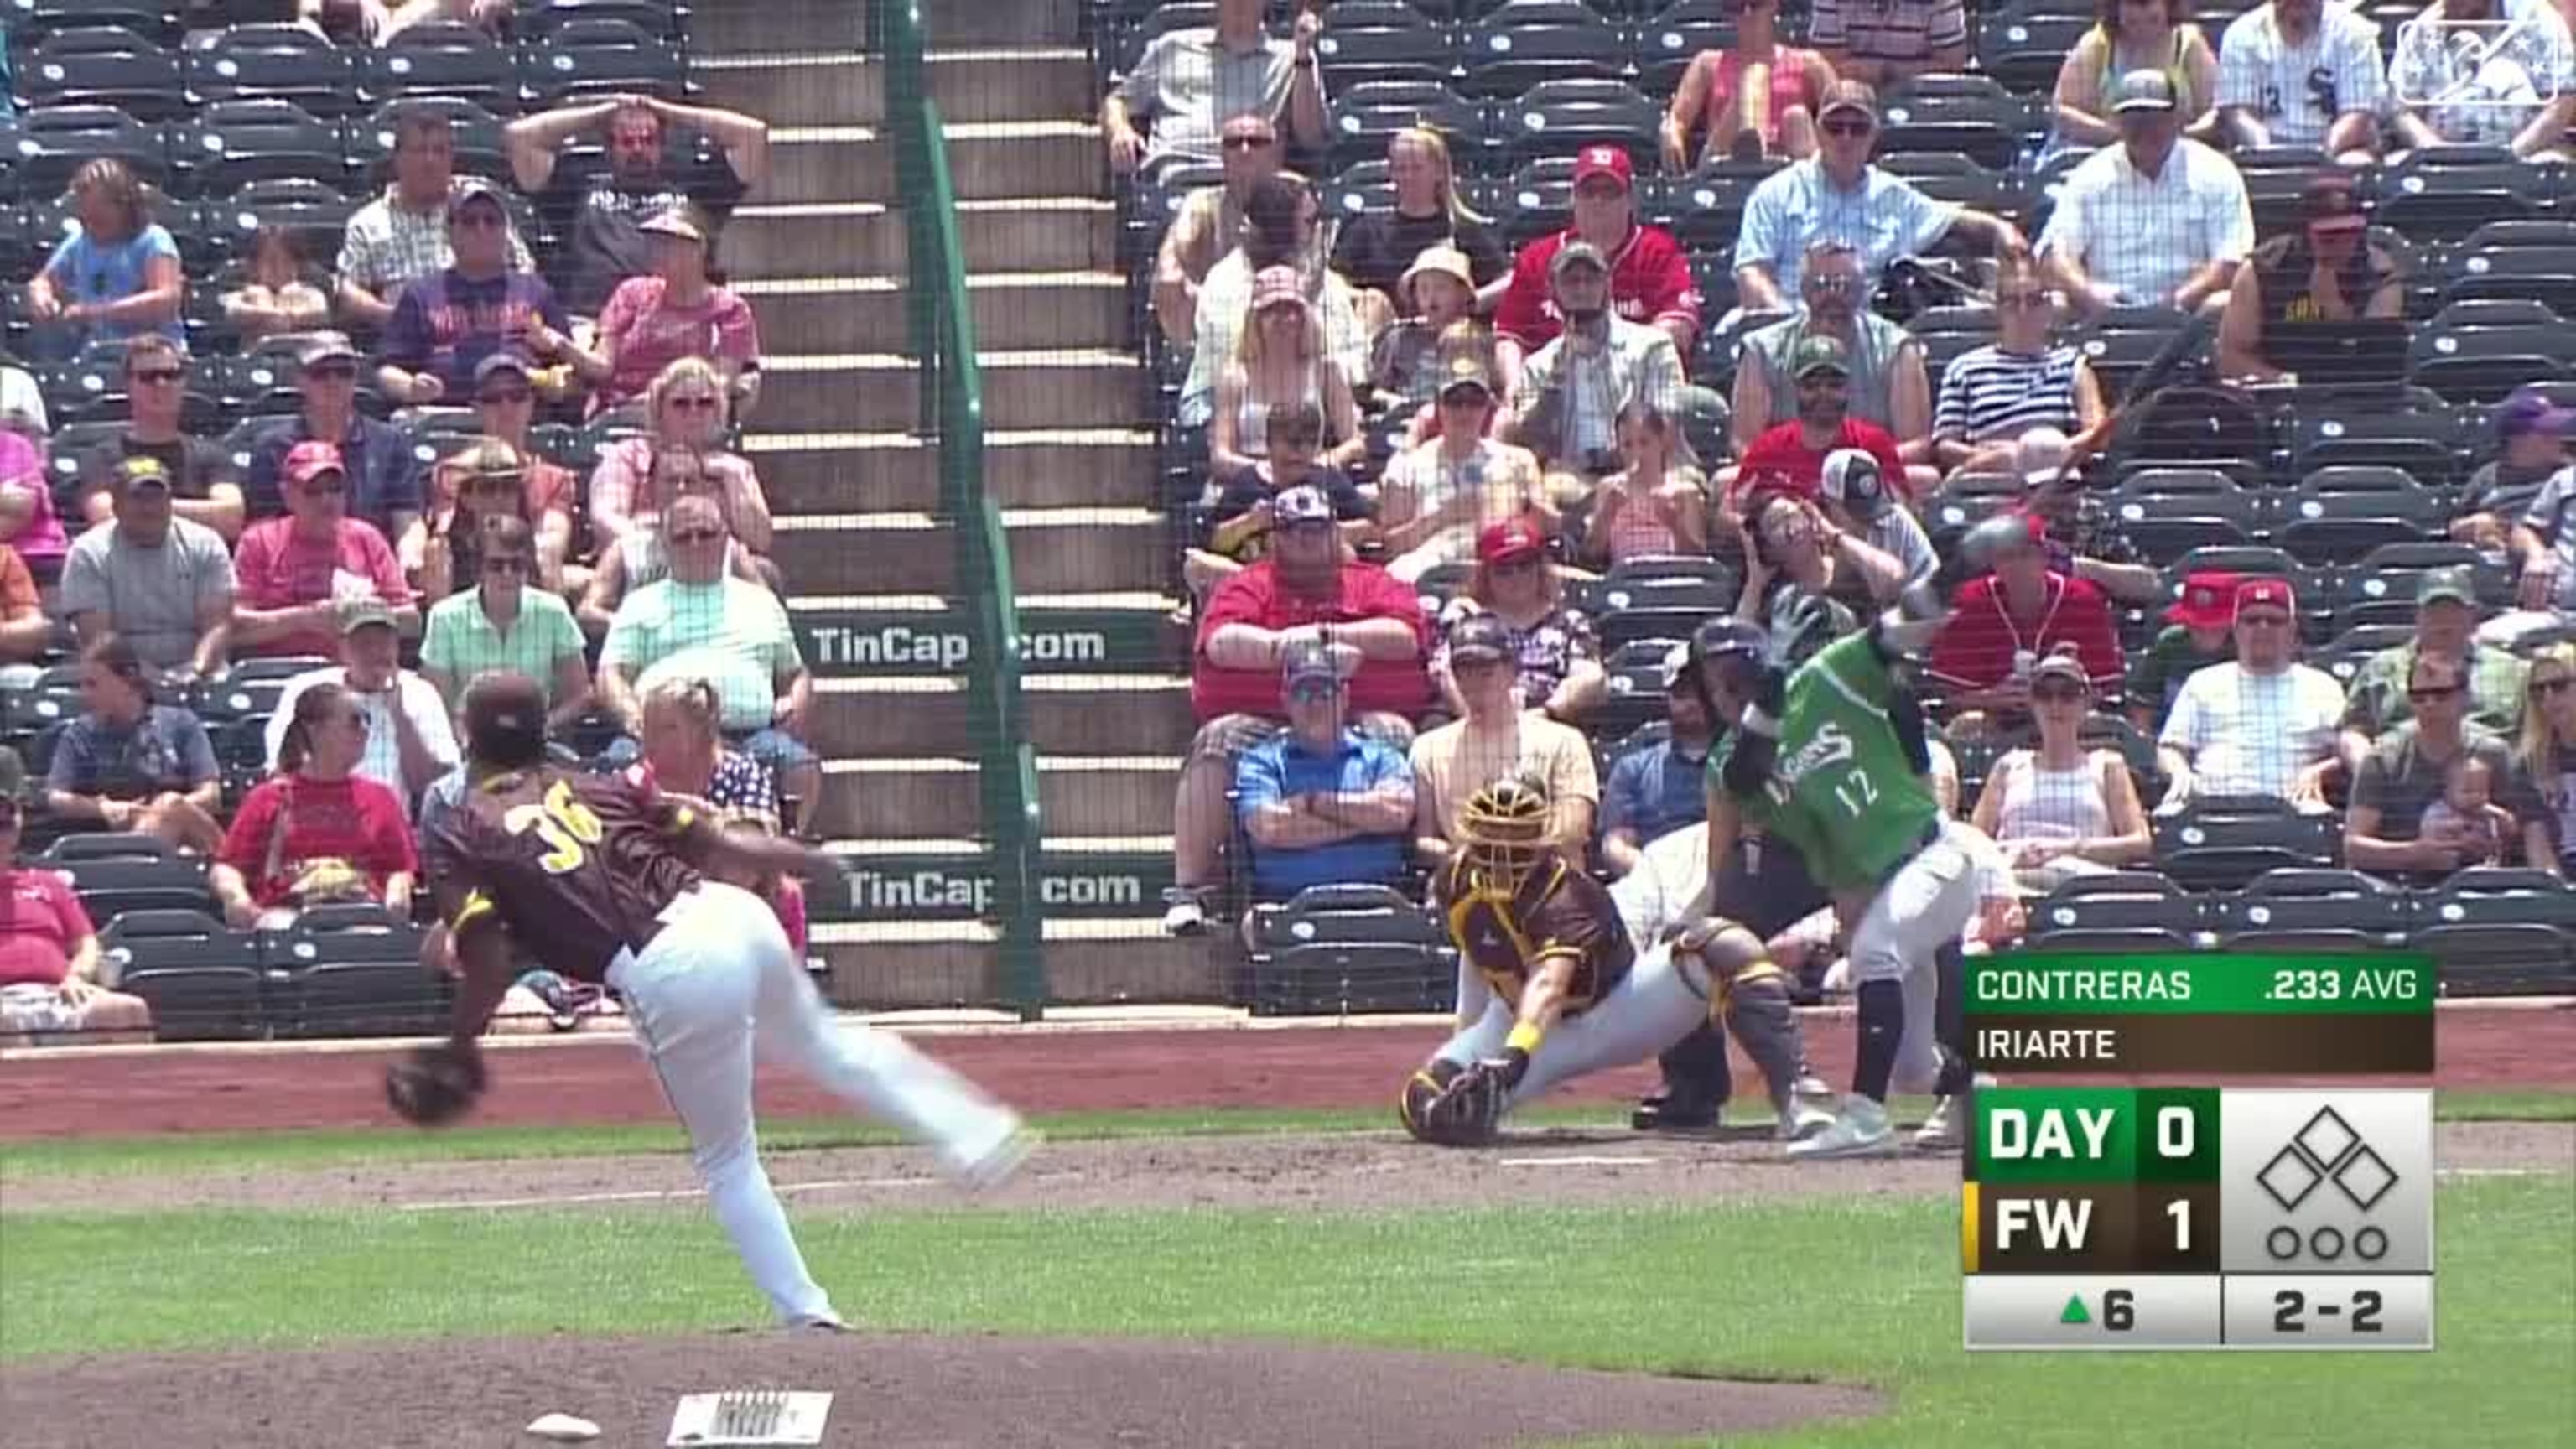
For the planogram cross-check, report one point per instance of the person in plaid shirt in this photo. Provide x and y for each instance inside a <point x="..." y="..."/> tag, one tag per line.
<point x="500" y="622"/>
<point x="402" y="235"/>
<point x="2446" y="621"/>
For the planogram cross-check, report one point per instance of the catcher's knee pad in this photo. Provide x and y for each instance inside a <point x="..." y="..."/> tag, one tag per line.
<point x="1420" y="1091"/>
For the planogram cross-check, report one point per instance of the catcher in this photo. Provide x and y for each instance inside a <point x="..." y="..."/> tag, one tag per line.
<point x="1551" y="987"/>
<point x="591" y="875"/>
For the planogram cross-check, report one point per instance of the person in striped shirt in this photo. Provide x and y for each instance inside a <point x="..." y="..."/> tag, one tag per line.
<point x="1990" y="396"/>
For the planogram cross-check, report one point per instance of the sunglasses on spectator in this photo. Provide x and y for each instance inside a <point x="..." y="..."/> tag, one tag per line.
<point x="695" y="402"/>
<point x="697" y="535"/>
<point x="505" y="564"/>
<point x="505" y="395"/>
<point x="159" y="374"/>
<point x="2263" y="619"/>
<point x="2022" y="300"/>
<point x="1848" y="130"/>
<point x="334" y="371"/>
<point x="1833" y="286"/>
<point x="2556" y="684"/>
<point x="1315" y="691"/>
<point x="1249" y="143"/>
<point x="2425" y="693"/>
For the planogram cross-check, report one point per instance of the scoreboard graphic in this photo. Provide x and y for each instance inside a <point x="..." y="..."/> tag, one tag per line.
<point x="2183" y="1217"/>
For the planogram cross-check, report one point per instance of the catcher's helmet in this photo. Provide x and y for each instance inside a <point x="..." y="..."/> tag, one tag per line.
<point x="1504" y="829"/>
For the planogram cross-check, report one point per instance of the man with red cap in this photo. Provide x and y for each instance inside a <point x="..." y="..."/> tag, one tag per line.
<point x="1560" y="658"/>
<point x="2260" y="724"/>
<point x="1650" y="280"/>
<point x="293" y="573"/>
<point x="2199" y="631"/>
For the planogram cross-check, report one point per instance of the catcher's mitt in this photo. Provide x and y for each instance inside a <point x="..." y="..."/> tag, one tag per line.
<point x="434" y="1085"/>
<point x="1454" y="1106"/>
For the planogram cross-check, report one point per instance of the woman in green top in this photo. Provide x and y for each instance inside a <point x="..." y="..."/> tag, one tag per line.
<point x="2134" y="35"/>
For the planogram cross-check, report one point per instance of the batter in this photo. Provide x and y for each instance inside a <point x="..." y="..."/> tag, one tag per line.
<point x="593" y="876"/>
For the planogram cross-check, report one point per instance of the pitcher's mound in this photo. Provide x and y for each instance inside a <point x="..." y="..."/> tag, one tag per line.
<point x="910" y="1390"/>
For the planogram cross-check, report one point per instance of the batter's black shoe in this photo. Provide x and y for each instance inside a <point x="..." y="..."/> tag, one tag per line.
<point x="1666" y="1112"/>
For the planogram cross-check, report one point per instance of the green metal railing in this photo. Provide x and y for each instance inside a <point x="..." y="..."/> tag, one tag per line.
<point x="942" y="321"/>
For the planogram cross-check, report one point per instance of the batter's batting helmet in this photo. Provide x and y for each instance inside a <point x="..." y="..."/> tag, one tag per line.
<point x="1504" y="828"/>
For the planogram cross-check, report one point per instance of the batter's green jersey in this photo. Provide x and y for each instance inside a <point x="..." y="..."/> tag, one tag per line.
<point x="1842" y="790"/>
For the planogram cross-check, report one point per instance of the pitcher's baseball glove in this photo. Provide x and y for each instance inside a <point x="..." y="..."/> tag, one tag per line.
<point x="434" y="1085"/>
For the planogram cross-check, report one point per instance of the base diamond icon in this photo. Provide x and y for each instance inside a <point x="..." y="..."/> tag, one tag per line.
<point x="2366" y="1179"/>
<point x="2288" y="1178"/>
<point x="2326" y="1138"/>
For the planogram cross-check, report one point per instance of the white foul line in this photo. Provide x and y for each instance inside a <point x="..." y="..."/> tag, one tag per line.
<point x="581" y="1199"/>
<point x="1578" y="1161"/>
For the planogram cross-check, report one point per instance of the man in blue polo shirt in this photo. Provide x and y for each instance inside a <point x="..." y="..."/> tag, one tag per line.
<point x="1323" y="803"/>
<point x="1656" y="789"/>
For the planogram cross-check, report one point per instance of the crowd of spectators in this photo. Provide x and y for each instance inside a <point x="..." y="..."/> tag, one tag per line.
<point x="252" y="646"/>
<point x="1493" y="450"/>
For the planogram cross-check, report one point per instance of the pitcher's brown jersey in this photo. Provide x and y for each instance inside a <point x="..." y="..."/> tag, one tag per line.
<point x="1557" y="910"/>
<point x="579" y="867"/>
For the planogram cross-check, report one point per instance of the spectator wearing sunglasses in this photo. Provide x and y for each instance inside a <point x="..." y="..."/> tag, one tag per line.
<point x="2057" y="809"/>
<point x="482" y="483"/>
<point x="409" y="741"/>
<point x="204" y="486"/>
<point x="2394" y="827"/>
<point x="1209" y="223"/>
<point x="634" y="482"/>
<point x="2446" y="625"/>
<point x="318" y="831"/>
<point x="2024" y="379"/>
<point x="446" y="323"/>
<point x="2546" y="752"/>
<point x="384" y="476"/>
<point x="152" y="579"/>
<point x="1837" y="195"/>
<point x="294" y="572"/>
<point x="1321" y="802"/>
<point x="2159" y="220"/>
<point x="502" y="620"/>
<point x="1515" y="582"/>
<point x="2259" y="724"/>
<point x="1887" y="383"/>
<point x="1192" y="79"/>
<point x="2303" y="73"/>
<point x="505" y="404"/>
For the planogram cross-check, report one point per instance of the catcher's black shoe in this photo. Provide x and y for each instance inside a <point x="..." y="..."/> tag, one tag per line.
<point x="1666" y="1112"/>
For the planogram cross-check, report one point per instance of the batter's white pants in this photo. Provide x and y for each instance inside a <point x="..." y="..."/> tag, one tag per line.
<point x="720" y="981"/>
<point x="1659" y="1002"/>
<point x="1925" y="906"/>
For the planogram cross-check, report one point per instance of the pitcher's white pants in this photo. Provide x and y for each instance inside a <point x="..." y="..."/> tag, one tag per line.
<point x="1660" y="1001"/>
<point x="720" y="980"/>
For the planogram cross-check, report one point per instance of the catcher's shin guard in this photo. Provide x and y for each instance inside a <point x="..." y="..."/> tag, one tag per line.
<point x="1756" y="1008"/>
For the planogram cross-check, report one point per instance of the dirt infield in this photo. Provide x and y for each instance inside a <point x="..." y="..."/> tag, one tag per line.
<point x="918" y="1391"/>
<point x="601" y="1079"/>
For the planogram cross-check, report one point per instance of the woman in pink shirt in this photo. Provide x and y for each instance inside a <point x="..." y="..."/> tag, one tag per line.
<point x="49" y="957"/>
<point x="27" y="521"/>
<point x="1759" y="96"/>
<point x="638" y="477"/>
<point x="675" y="311"/>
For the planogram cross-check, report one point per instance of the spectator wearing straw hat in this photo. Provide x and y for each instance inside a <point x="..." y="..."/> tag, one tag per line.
<point x="1435" y="294"/>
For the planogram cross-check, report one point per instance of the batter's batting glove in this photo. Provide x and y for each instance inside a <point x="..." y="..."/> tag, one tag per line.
<point x="435" y="1085"/>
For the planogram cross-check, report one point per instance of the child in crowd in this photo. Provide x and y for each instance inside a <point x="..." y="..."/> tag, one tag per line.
<point x="2486" y="829"/>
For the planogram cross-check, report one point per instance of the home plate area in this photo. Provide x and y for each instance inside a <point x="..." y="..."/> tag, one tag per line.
<point x="921" y="1391"/>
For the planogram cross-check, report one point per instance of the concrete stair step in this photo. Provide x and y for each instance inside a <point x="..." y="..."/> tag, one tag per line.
<point x="945" y="963"/>
<point x="1048" y="468"/>
<point x="986" y="160"/>
<point x="877" y="392"/>
<point x="1014" y="311"/>
<point x="1054" y="550"/>
<point x="1066" y="715"/>
<point x="1005" y="83"/>
<point x="1040" y="233"/>
<point x="723" y="26"/>
<point x="912" y="798"/>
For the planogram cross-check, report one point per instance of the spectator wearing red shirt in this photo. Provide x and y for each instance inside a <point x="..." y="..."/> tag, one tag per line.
<point x="49" y="957"/>
<point x="292" y="572"/>
<point x="1650" y="280"/>
<point x="1790" y="458"/>
<point x="2007" y="621"/>
<point x="317" y="831"/>
<point x="1301" y="590"/>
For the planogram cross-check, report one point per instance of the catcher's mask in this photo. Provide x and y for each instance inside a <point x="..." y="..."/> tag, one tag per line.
<point x="1504" y="830"/>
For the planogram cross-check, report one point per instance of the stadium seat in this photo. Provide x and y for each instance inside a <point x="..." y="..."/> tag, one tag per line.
<point x="1524" y="42"/>
<point x="1960" y="179"/>
<point x="279" y="62"/>
<point x="1383" y="40"/>
<point x="2480" y="351"/>
<point x="249" y="688"/>
<point x="2342" y="655"/>
<point x="1981" y="124"/>
<point x="2344" y="512"/>
<point x="446" y="58"/>
<point x="2222" y="842"/>
<point x="600" y="57"/>
<point x="2426" y="442"/>
<point x="1346" y="950"/>
<point x="116" y="873"/>
<point x="2125" y="910"/>
<point x="1636" y="684"/>
<point x="1659" y="598"/>
<point x="1554" y="118"/>
<point x="1674" y="37"/>
<point x="2499" y="931"/>
<point x="2022" y="45"/>
<point x="1538" y="200"/>
<point x="1705" y="210"/>
<point x="55" y="142"/>
<point x="350" y="970"/>
<point x="2545" y="274"/>
<point x="2444" y="195"/>
<point x="317" y="213"/>
<point x="1367" y="116"/>
<point x="2379" y="587"/>
<point x="231" y="144"/>
<point x="538" y="20"/>
<point x="103" y="66"/>
<point x="2306" y="908"/>
<point x="1966" y="500"/>
<point x="201" y="978"/>
<point x="33" y="20"/>
<point x="2168" y="512"/>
